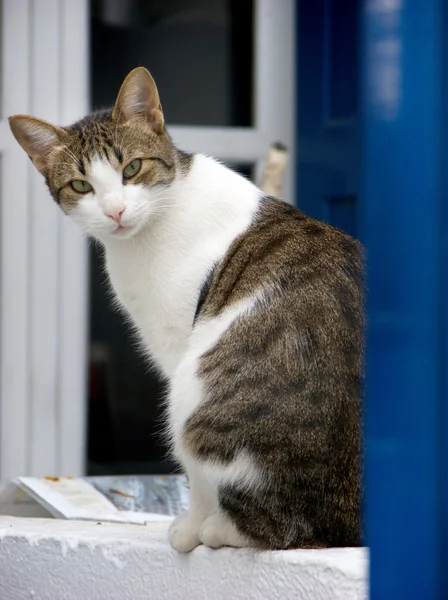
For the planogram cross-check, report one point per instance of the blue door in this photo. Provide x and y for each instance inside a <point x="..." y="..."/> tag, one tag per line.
<point x="328" y="106"/>
<point x="404" y="221"/>
<point x="404" y="225"/>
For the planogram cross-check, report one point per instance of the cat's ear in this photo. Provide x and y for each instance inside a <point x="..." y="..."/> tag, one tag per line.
<point x="36" y="137"/>
<point x="138" y="98"/>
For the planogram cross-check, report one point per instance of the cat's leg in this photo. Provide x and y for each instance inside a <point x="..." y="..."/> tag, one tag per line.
<point x="184" y="397"/>
<point x="184" y="531"/>
<point x="205" y="522"/>
<point x="220" y="529"/>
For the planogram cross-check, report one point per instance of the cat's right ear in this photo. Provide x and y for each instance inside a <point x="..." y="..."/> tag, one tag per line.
<point x="138" y="98"/>
<point x="36" y="137"/>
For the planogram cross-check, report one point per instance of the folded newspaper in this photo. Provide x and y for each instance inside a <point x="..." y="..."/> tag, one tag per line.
<point x="127" y="499"/>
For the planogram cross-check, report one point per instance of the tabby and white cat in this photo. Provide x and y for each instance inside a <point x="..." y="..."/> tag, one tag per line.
<point x="252" y="311"/>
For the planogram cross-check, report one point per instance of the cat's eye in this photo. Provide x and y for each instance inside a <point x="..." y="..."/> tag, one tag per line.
<point x="132" y="168"/>
<point x="81" y="186"/>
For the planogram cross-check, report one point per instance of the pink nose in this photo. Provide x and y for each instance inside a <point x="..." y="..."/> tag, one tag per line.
<point x="115" y="214"/>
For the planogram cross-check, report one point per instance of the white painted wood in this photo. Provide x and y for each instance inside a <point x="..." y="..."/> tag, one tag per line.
<point x="73" y="285"/>
<point x="43" y="276"/>
<point x="46" y="559"/>
<point x="4" y="134"/>
<point x="14" y="245"/>
<point x="234" y="144"/>
<point x="275" y="76"/>
<point x="44" y="255"/>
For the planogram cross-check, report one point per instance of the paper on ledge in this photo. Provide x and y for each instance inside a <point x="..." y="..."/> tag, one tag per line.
<point x="65" y="498"/>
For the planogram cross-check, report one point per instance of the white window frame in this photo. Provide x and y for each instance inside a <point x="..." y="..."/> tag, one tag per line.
<point x="43" y="256"/>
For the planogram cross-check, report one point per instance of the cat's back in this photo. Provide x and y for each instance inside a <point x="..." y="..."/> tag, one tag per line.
<point x="283" y="382"/>
<point x="289" y="296"/>
<point x="288" y="255"/>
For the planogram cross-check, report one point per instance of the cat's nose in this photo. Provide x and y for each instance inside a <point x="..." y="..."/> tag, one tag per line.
<point x="115" y="213"/>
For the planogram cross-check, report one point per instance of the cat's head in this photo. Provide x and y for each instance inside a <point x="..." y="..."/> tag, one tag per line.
<point x="111" y="171"/>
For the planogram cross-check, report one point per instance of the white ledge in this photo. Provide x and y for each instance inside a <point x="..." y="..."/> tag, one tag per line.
<point x="55" y="559"/>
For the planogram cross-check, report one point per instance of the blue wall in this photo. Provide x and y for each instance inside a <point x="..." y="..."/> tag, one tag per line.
<point x="402" y="202"/>
<point x="375" y="164"/>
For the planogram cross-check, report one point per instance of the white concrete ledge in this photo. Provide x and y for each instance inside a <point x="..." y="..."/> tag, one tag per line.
<point x="44" y="559"/>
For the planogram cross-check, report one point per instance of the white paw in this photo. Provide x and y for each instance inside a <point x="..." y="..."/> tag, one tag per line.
<point x="217" y="531"/>
<point x="210" y="535"/>
<point x="184" y="533"/>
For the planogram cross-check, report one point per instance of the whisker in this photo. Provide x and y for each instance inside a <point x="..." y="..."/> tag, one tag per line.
<point x="63" y="148"/>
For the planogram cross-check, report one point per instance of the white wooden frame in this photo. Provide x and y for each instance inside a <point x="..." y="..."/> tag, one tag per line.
<point x="43" y="277"/>
<point x="43" y="257"/>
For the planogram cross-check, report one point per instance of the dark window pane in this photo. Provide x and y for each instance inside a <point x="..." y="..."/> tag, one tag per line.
<point x="125" y="398"/>
<point x="341" y="52"/>
<point x="200" y="53"/>
<point x="248" y="170"/>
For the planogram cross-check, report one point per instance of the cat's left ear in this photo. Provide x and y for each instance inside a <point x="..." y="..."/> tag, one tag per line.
<point x="37" y="138"/>
<point x="138" y="98"/>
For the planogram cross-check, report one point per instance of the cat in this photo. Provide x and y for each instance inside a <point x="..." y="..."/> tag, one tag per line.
<point x="251" y="310"/>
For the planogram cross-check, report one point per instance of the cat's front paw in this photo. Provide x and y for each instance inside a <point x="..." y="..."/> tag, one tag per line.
<point x="184" y="533"/>
<point x="218" y="530"/>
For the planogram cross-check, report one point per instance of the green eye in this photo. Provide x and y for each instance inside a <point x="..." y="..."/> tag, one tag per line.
<point x="132" y="168"/>
<point x="81" y="186"/>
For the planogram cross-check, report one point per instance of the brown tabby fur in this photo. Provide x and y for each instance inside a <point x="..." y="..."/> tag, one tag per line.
<point x="284" y="383"/>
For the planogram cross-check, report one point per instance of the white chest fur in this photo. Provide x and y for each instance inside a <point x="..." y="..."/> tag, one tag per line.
<point x="157" y="275"/>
